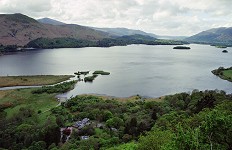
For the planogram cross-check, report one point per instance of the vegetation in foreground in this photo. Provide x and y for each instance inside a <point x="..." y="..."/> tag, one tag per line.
<point x="6" y="81"/>
<point x="196" y="120"/>
<point x="223" y="73"/>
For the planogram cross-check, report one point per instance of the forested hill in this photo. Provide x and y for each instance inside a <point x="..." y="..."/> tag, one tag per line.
<point x="19" y="29"/>
<point x="221" y="36"/>
<point x="200" y="120"/>
<point x="106" y="42"/>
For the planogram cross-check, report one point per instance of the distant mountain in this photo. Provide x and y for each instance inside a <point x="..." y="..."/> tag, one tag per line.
<point x="213" y="36"/>
<point x="19" y="29"/>
<point x="124" y="31"/>
<point x="166" y="37"/>
<point x="50" y="21"/>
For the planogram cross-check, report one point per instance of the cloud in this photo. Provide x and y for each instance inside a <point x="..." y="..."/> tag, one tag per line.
<point x="25" y="6"/>
<point x="165" y="17"/>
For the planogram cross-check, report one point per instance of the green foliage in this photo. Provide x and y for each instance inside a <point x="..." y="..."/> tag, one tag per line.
<point x="169" y="42"/>
<point x="60" y="43"/>
<point x="107" y="42"/>
<point x="136" y="39"/>
<point x="127" y="146"/>
<point x="23" y="131"/>
<point x="197" y="120"/>
<point x="155" y="140"/>
<point x="89" y="144"/>
<point x="114" y="122"/>
<point x="101" y="72"/>
<point x="117" y="119"/>
<point x="220" y="46"/>
<point x="40" y="145"/>
<point x="90" y="78"/>
<point x="59" y="88"/>
<point x="7" y="48"/>
<point x="223" y="73"/>
<point x="205" y="123"/>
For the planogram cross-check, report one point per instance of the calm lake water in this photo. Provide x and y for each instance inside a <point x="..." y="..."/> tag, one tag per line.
<point x="136" y="69"/>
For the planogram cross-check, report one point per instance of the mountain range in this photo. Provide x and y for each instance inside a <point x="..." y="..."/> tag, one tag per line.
<point x="221" y="36"/>
<point x="19" y="29"/>
<point x="50" y="21"/>
<point x="116" y="32"/>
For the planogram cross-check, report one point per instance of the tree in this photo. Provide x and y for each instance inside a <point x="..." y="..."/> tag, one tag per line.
<point x="154" y="114"/>
<point x="155" y="140"/>
<point x="217" y="129"/>
<point x="207" y="101"/>
<point x="40" y="145"/>
<point x="107" y="115"/>
<point x="115" y="122"/>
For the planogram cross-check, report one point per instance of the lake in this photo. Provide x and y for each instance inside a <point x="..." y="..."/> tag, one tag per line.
<point x="151" y="71"/>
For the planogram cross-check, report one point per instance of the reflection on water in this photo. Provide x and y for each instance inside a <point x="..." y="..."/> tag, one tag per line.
<point x="136" y="69"/>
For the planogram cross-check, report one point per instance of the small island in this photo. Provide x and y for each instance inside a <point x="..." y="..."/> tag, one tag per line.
<point x="81" y="73"/>
<point x="220" y="46"/>
<point x="225" y="51"/>
<point x="90" y="78"/>
<point x="223" y="73"/>
<point x="101" y="72"/>
<point x="182" y="47"/>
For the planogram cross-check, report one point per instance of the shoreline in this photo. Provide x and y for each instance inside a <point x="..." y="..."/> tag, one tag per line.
<point x="221" y="71"/>
<point x="2" y="53"/>
<point x="132" y="98"/>
<point x="32" y="80"/>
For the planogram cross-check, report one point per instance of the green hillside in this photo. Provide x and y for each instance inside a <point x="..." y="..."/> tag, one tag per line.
<point x="217" y="36"/>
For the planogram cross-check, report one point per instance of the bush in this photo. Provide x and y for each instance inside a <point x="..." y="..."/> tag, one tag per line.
<point x="59" y="88"/>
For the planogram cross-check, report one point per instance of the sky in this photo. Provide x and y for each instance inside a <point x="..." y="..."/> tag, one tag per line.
<point x="161" y="17"/>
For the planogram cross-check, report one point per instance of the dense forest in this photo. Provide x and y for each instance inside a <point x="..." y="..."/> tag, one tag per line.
<point x="107" y="42"/>
<point x="195" y="120"/>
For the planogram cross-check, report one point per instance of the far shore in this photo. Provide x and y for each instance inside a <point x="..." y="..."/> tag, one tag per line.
<point x="133" y="98"/>
<point x="34" y="80"/>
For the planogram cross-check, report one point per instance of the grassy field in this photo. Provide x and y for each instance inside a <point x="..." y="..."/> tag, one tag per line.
<point x="32" y="80"/>
<point x="227" y="74"/>
<point x="223" y="73"/>
<point x="13" y="100"/>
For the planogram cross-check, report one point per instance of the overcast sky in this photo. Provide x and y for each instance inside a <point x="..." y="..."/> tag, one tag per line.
<point x="162" y="17"/>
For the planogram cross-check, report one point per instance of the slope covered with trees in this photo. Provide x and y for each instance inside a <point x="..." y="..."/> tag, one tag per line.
<point x="106" y="42"/>
<point x="196" y="120"/>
